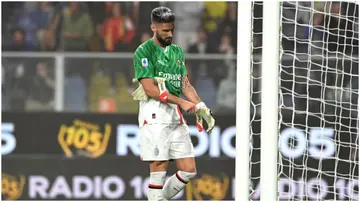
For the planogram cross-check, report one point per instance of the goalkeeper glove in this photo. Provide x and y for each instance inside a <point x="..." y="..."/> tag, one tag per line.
<point x="202" y="112"/>
<point x="139" y="93"/>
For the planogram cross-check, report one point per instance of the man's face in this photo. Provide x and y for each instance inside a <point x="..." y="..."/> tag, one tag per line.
<point x="202" y="36"/>
<point x="41" y="69"/>
<point x="18" y="37"/>
<point x="164" y="32"/>
<point x="74" y="6"/>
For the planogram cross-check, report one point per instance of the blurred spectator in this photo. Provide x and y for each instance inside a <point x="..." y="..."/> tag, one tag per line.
<point x="118" y="30"/>
<point x="75" y="93"/>
<point x="77" y="28"/>
<point x="131" y="9"/>
<point x="206" y="87"/>
<point x="42" y="89"/>
<point x="231" y="23"/>
<point x="144" y="37"/>
<point x="227" y="49"/>
<point x="226" y="94"/>
<point x="225" y="45"/>
<point x="45" y="37"/>
<point x="200" y="45"/>
<point x="213" y="19"/>
<point x="188" y="20"/>
<point x="18" y="41"/>
<point x="96" y="41"/>
<point x="32" y="20"/>
<point x="18" y="89"/>
<point x="54" y="32"/>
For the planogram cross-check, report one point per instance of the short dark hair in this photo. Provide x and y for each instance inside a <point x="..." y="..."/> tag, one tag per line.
<point x="17" y="29"/>
<point x="162" y="15"/>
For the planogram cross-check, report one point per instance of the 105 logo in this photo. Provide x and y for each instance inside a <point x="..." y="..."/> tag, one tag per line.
<point x="12" y="187"/>
<point x="85" y="138"/>
<point x="208" y="187"/>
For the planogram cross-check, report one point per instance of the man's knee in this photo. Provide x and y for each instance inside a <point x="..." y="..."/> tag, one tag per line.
<point x="157" y="166"/>
<point x="188" y="168"/>
<point x="186" y="165"/>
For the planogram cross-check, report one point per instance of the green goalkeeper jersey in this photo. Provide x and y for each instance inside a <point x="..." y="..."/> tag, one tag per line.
<point x="150" y="60"/>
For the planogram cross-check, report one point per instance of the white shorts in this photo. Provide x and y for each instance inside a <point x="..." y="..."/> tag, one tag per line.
<point x="162" y="142"/>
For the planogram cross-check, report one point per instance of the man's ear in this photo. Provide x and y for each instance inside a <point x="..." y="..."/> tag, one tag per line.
<point x="153" y="27"/>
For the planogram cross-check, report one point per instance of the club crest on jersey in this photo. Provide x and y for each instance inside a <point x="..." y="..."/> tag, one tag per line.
<point x="144" y="62"/>
<point x="179" y="63"/>
<point x="156" y="151"/>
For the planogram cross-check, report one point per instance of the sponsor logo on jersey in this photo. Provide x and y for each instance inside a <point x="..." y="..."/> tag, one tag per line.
<point x="144" y="62"/>
<point x="174" y="79"/>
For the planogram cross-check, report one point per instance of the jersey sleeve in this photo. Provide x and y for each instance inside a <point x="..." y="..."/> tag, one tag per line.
<point x="143" y="66"/>
<point x="183" y="66"/>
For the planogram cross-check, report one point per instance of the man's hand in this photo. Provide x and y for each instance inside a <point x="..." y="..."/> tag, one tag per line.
<point x="204" y="113"/>
<point x="187" y="106"/>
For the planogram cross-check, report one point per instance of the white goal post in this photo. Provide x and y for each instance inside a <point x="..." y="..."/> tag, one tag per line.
<point x="243" y="101"/>
<point x="304" y="90"/>
<point x="269" y="94"/>
<point x="271" y="32"/>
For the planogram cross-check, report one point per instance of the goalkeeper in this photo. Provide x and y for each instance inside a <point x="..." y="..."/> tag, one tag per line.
<point x="161" y="72"/>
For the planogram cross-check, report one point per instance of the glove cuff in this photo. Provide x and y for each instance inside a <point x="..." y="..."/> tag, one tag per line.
<point x="199" y="105"/>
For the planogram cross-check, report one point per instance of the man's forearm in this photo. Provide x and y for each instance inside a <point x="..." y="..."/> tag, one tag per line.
<point x="189" y="91"/>
<point x="154" y="93"/>
<point x="191" y="94"/>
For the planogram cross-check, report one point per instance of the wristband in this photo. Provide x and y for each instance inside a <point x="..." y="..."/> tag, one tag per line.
<point x="164" y="96"/>
<point x="163" y="92"/>
<point x="199" y="105"/>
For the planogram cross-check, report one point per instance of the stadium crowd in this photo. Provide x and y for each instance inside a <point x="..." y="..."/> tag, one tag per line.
<point x="112" y="26"/>
<point x="98" y="84"/>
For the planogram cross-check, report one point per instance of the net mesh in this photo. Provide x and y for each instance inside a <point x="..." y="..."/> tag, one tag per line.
<point x="318" y="101"/>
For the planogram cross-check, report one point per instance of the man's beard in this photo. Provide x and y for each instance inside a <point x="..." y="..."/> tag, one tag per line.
<point x="164" y="42"/>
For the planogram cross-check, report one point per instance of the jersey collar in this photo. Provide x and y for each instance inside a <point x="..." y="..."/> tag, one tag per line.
<point x="159" y="47"/>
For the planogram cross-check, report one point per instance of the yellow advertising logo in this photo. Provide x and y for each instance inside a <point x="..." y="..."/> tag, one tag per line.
<point x="86" y="138"/>
<point x="12" y="187"/>
<point x="208" y="187"/>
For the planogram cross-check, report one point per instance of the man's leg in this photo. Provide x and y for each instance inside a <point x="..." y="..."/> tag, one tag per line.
<point x="178" y="181"/>
<point x="157" y="179"/>
<point x="154" y="146"/>
<point x="182" y="150"/>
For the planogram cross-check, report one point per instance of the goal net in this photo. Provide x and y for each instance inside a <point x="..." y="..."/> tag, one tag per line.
<point x="318" y="141"/>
